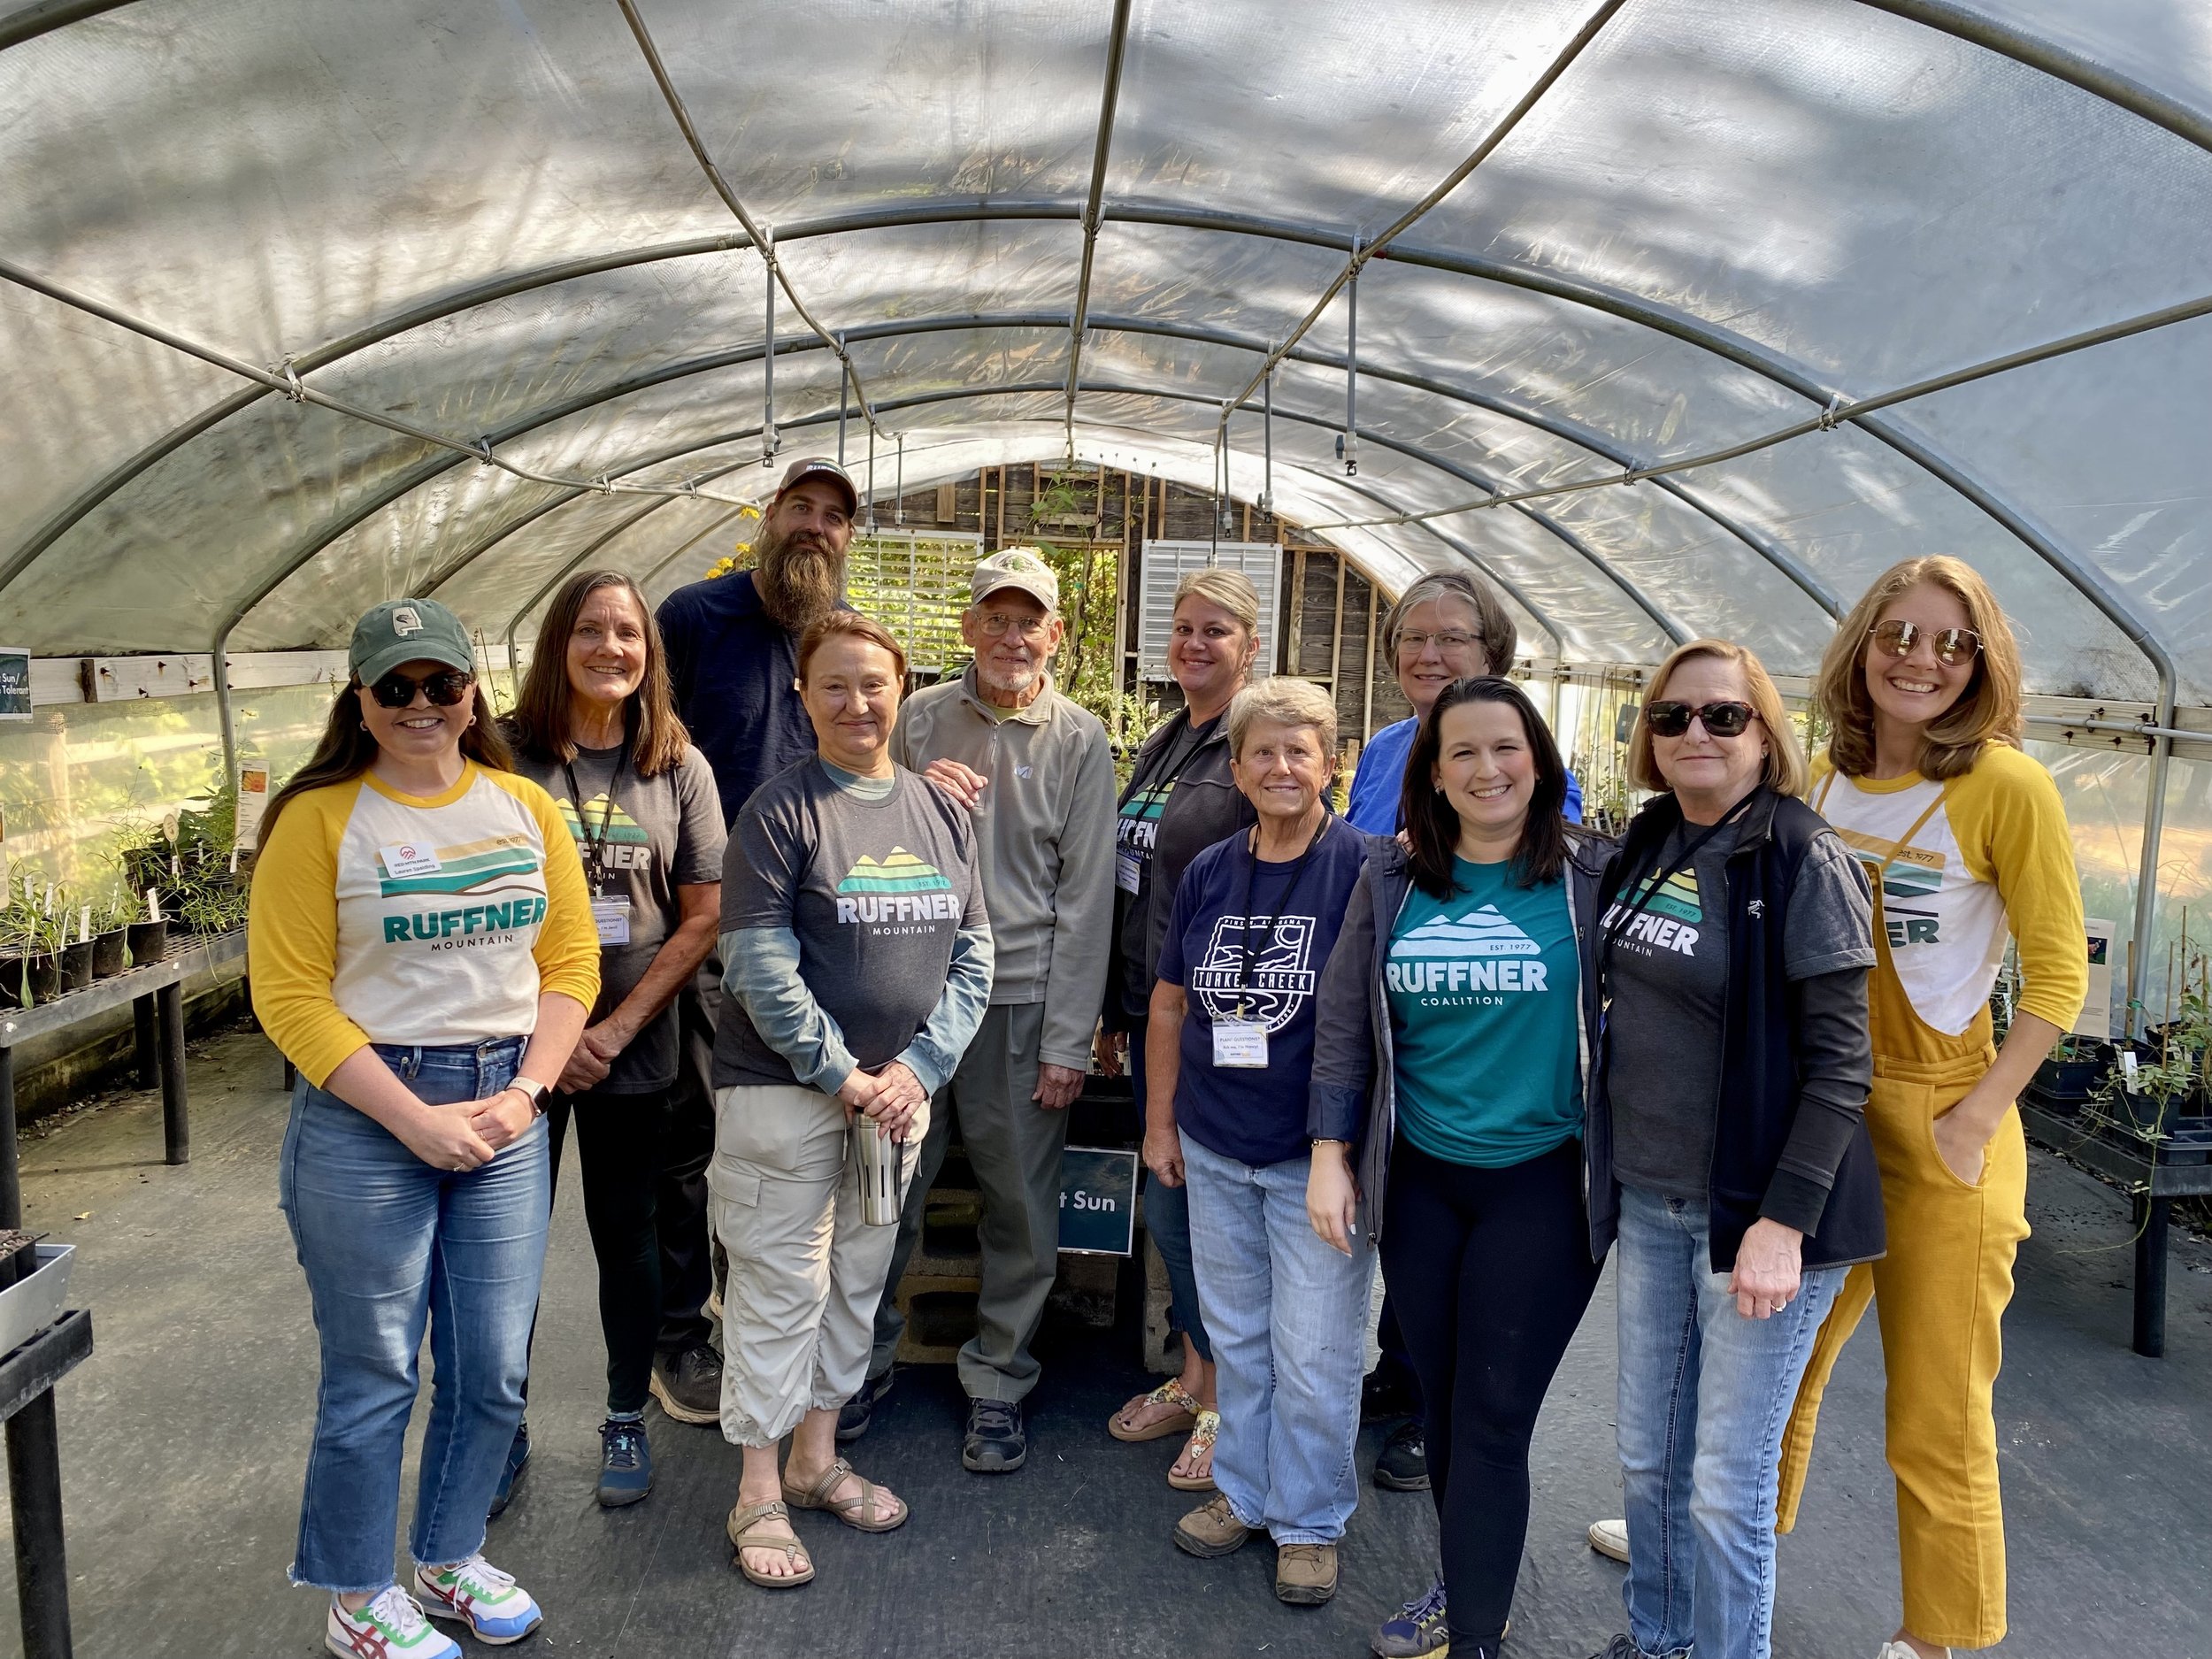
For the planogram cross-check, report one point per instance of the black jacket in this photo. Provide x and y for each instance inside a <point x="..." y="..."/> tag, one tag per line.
<point x="1354" y="1093"/>
<point x="1769" y="1158"/>
<point x="1206" y="806"/>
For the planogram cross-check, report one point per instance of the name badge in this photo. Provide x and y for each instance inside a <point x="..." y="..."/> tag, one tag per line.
<point x="612" y="917"/>
<point x="1239" y="1043"/>
<point x="1128" y="870"/>
<point x="408" y="859"/>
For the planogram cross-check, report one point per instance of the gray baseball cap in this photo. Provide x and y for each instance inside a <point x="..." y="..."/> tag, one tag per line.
<point x="1021" y="567"/>
<point x="408" y="631"/>
<point x="822" y="467"/>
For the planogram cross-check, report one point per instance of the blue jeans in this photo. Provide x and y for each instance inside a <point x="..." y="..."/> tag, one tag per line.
<point x="388" y="1244"/>
<point x="1288" y="1316"/>
<point x="1705" y="1394"/>
<point x="1167" y="1218"/>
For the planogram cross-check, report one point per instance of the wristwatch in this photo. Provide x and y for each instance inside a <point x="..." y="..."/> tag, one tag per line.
<point x="533" y="1091"/>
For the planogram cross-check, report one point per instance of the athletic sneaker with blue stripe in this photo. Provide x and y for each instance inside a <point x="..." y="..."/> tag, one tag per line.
<point x="497" y="1609"/>
<point x="390" y="1627"/>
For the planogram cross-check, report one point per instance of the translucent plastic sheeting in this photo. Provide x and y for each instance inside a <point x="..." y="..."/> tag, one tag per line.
<point x="1851" y="189"/>
<point x="80" y="772"/>
<point x="1841" y="196"/>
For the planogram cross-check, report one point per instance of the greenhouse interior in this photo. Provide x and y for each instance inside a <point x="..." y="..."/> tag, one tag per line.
<point x="1664" y="320"/>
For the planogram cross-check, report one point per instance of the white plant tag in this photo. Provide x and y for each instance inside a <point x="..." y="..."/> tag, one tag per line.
<point x="84" y="924"/>
<point x="2128" y="1077"/>
<point x="153" y="904"/>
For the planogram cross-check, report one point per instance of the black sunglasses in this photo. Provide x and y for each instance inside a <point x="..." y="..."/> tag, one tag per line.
<point x="1721" y="719"/>
<point x="1952" y="645"/>
<point x="444" y="688"/>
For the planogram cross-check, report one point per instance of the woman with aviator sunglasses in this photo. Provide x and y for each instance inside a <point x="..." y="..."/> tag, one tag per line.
<point x="1967" y="840"/>
<point x="423" y="951"/>
<point x="1729" y="1155"/>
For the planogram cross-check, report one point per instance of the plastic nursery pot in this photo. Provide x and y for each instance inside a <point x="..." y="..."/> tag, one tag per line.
<point x="12" y="986"/>
<point x="148" y="941"/>
<point x="110" y="951"/>
<point x="45" y="979"/>
<point x="76" y="965"/>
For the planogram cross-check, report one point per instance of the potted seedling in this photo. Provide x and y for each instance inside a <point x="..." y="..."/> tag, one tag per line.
<point x="41" y="965"/>
<point x="2068" y="1074"/>
<point x="111" y="942"/>
<point x="76" y="941"/>
<point x="14" y="954"/>
<point x="2147" y="1088"/>
<point x="148" y="935"/>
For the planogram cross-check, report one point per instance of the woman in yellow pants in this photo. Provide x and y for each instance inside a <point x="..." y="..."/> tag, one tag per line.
<point x="1966" y="840"/>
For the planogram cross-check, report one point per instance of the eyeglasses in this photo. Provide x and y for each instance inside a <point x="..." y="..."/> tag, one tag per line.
<point x="444" y="688"/>
<point x="1720" y="719"/>
<point x="1450" y="640"/>
<point x="1952" y="645"/>
<point x="997" y="624"/>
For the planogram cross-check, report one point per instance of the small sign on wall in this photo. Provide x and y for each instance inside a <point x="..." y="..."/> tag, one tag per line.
<point x="1098" y="1201"/>
<point x="253" y="799"/>
<point x="2095" y="1019"/>
<point x="15" y="683"/>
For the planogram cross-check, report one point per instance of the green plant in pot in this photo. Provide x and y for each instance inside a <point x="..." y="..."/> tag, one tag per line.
<point x="110" y="940"/>
<point x="2148" y="1103"/>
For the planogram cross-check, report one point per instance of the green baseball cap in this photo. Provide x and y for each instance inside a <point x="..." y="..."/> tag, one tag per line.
<point x="1018" y="567"/>
<point x="407" y="631"/>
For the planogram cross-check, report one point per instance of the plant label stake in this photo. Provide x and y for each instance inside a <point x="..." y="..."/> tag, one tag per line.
<point x="153" y="904"/>
<point x="2127" y="1070"/>
<point x="50" y="898"/>
<point x="84" y="924"/>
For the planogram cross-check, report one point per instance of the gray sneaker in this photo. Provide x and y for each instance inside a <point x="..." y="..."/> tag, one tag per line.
<point x="1418" y="1631"/>
<point x="689" y="1384"/>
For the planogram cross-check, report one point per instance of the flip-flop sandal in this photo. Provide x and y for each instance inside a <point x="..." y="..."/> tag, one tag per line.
<point x="744" y="1531"/>
<point x="860" y="1511"/>
<point x="1170" y="1393"/>
<point x="1202" y="1440"/>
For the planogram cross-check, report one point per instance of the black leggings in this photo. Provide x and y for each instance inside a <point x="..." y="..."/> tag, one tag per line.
<point x="623" y="1140"/>
<point x="1490" y="1270"/>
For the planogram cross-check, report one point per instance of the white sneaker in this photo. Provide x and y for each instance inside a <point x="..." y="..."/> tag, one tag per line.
<point x="1903" y="1650"/>
<point x="1610" y="1539"/>
<point x="390" y="1627"/>
<point x="498" y="1609"/>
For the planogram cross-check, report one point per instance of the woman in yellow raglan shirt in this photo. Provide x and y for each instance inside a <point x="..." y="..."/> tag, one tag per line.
<point x="422" y="950"/>
<point x="1966" y="840"/>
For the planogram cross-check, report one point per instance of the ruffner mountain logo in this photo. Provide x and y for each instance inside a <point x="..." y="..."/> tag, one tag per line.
<point x="1449" y="961"/>
<point x="623" y="844"/>
<point x="1668" y="920"/>
<point x="472" y="867"/>
<point x="902" y="888"/>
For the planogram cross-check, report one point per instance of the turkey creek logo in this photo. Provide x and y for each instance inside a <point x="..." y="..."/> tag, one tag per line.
<point x="1451" y="963"/>
<point x="900" y="895"/>
<point x="1281" y="977"/>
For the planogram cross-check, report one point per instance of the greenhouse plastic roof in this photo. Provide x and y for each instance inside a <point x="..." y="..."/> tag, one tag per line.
<point x="259" y="255"/>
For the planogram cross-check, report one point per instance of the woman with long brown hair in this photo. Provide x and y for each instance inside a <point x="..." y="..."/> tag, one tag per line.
<point x="597" y="725"/>
<point x="1966" y="840"/>
<point x="1447" y="1118"/>
<point x="423" y="952"/>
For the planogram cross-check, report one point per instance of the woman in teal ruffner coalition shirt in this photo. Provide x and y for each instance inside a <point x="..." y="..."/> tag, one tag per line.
<point x="1447" y="1094"/>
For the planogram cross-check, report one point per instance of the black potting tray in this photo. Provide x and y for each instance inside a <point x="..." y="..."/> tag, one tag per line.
<point x="2155" y="1172"/>
<point x="156" y="994"/>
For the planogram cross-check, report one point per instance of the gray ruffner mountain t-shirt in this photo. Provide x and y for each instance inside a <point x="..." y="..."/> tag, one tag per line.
<point x="875" y="890"/>
<point x="652" y="835"/>
<point x="1668" y="978"/>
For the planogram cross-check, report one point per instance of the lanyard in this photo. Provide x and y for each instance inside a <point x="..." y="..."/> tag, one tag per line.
<point x="1631" y="910"/>
<point x="595" y="868"/>
<point x="1166" y="786"/>
<point x="1290" y="887"/>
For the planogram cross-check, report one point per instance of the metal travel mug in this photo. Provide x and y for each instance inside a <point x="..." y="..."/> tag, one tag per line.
<point x="876" y="1160"/>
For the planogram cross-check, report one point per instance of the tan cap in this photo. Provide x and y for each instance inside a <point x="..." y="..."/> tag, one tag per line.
<point x="1021" y="567"/>
<point x="822" y="467"/>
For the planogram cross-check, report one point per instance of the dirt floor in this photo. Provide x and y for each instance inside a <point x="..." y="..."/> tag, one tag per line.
<point x="183" y="1439"/>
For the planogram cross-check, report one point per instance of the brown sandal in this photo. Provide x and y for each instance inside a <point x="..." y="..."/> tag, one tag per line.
<point x="858" y="1511"/>
<point x="744" y="1532"/>
<point x="1170" y="1393"/>
<point x="1202" y="1440"/>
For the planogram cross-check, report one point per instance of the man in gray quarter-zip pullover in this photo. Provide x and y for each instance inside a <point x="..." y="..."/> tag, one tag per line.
<point x="1039" y="774"/>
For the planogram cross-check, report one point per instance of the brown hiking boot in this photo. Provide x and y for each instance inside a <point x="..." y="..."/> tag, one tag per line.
<point x="1214" y="1530"/>
<point x="1305" y="1574"/>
